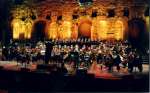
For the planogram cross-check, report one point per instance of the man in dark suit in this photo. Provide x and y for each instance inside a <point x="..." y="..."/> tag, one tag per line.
<point x="49" y="47"/>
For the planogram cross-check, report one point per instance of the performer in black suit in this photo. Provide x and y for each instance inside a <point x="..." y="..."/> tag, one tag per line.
<point x="49" y="47"/>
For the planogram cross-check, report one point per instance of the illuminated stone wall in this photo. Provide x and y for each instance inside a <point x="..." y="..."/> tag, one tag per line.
<point x="22" y="23"/>
<point x="102" y="27"/>
<point x="20" y="27"/>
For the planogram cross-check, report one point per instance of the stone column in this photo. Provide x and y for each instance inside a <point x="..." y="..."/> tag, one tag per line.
<point x="54" y="16"/>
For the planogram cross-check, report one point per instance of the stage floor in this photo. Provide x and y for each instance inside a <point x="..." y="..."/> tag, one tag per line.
<point x="94" y="69"/>
<point x="12" y="79"/>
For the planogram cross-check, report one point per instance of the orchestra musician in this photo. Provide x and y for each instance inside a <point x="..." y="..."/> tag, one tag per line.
<point x="82" y="52"/>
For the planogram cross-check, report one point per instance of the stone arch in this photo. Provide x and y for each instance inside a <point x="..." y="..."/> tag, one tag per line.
<point x="39" y="30"/>
<point x="84" y="28"/>
<point x="137" y="35"/>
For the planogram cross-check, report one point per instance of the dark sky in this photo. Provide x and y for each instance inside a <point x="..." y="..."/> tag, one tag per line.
<point x="4" y="15"/>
